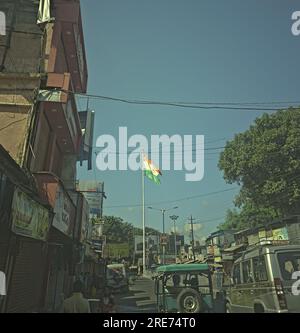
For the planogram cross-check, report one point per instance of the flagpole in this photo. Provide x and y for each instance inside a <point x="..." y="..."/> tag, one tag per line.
<point x="143" y="213"/>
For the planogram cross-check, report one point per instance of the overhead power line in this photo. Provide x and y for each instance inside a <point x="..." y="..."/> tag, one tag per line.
<point x="175" y="200"/>
<point x="158" y="152"/>
<point x="247" y="106"/>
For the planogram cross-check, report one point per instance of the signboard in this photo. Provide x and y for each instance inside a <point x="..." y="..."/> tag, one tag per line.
<point x="29" y="218"/>
<point x="93" y="192"/>
<point x="115" y="250"/>
<point x="138" y="244"/>
<point x="85" y="227"/>
<point x="210" y="250"/>
<point x="216" y="251"/>
<point x="63" y="213"/>
<point x="280" y="234"/>
<point x="152" y="243"/>
<point x="87" y="119"/>
<point x="253" y="239"/>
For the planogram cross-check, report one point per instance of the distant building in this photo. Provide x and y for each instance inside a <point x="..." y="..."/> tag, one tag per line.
<point x="171" y="245"/>
<point x="216" y="242"/>
<point x="282" y="230"/>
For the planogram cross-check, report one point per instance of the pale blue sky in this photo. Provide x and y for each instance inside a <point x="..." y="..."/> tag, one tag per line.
<point x="184" y="50"/>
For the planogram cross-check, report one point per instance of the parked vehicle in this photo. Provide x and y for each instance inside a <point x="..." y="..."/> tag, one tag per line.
<point x="262" y="280"/>
<point x="184" y="288"/>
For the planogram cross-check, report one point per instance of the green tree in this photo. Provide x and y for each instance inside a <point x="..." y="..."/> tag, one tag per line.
<point x="265" y="162"/>
<point x="117" y="230"/>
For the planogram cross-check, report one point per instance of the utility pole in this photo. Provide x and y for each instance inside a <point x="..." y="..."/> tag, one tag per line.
<point x="164" y="245"/>
<point x="163" y="211"/>
<point x="192" y="234"/>
<point x="174" y="218"/>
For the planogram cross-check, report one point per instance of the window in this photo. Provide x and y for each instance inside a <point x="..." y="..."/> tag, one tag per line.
<point x="289" y="263"/>
<point x="236" y="274"/>
<point x="259" y="269"/>
<point x="247" y="273"/>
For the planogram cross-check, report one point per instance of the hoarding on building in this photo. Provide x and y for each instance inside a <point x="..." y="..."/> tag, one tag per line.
<point x="63" y="213"/>
<point x="152" y="243"/>
<point x="115" y="250"/>
<point x="280" y="234"/>
<point x="87" y="119"/>
<point x="138" y="244"/>
<point x="93" y="191"/>
<point x="29" y="218"/>
<point x="85" y="221"/>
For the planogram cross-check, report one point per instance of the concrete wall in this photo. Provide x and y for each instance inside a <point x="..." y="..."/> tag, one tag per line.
<point x="21" y="48"/>
<point x="16" y="105"/>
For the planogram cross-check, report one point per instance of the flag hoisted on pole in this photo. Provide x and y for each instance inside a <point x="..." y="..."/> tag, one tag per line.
<point x="153" y="173"/>
<point x="143" y="216"/>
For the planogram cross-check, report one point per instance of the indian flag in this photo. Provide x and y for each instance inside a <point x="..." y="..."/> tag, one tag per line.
<point x="151" y="171"/>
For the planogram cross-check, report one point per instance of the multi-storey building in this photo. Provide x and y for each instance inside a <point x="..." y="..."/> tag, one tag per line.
<point x="42" y="66"/>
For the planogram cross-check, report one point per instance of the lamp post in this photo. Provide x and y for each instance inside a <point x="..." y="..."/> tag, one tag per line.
<point x="163" y="211"/>
<point x="174" y="218"/>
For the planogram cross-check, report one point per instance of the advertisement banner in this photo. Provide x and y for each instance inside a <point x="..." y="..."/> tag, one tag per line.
<point x="63" y="213"/>
<point x="152" y="243"/>
<point x="93" y="192"/>
<point x="280" y="234"/>
<point x="138" y="244"/>
<point x="115" y="250"/>
<point x="29" y="218"/>
<point x="85" y="227"/>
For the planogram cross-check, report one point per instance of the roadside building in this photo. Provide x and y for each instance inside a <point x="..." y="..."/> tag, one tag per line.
<point x="216" y="242"/>
<point x="42" y="65"/>
<point x="171" y="243"/>
<point x="282" y="230"/>
<point x="24" y="230"/>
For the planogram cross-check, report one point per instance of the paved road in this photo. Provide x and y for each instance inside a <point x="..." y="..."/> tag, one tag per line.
<point x="140" y="298"/>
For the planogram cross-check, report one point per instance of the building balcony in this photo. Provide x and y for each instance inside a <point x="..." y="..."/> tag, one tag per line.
<point x="61" y="111"/>
<point x="68" y="32"/>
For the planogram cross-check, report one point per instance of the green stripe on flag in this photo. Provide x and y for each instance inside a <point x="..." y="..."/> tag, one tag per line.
<point x="150" y="175"/>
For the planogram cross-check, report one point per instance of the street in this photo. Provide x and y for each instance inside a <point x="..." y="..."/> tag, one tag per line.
<point x="149" y="157"/>
<point x="140" y="298"/>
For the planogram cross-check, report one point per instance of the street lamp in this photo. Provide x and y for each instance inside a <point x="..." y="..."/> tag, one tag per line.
<point x="163" y="211"/>
<point x="174" y="218"/>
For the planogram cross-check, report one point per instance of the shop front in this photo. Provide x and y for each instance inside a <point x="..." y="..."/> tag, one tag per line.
<point x="60" y="270"/>
<point x="30" y="224"/>
<point x="24" y="225"/>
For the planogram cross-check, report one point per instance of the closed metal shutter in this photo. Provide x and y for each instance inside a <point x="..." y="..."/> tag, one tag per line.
<point x="55" y="281"/>
<point x="25" y="285"/>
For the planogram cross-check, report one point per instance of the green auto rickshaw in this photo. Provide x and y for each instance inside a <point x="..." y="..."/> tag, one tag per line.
<point x="184" y="288"/>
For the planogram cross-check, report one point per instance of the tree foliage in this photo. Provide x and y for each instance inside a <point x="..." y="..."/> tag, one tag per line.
<point x="117" y="230"/>
<point x="265" y="162"/>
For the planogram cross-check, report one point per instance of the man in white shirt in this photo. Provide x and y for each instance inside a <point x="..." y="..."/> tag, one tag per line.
<point x="76" y="303"/>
